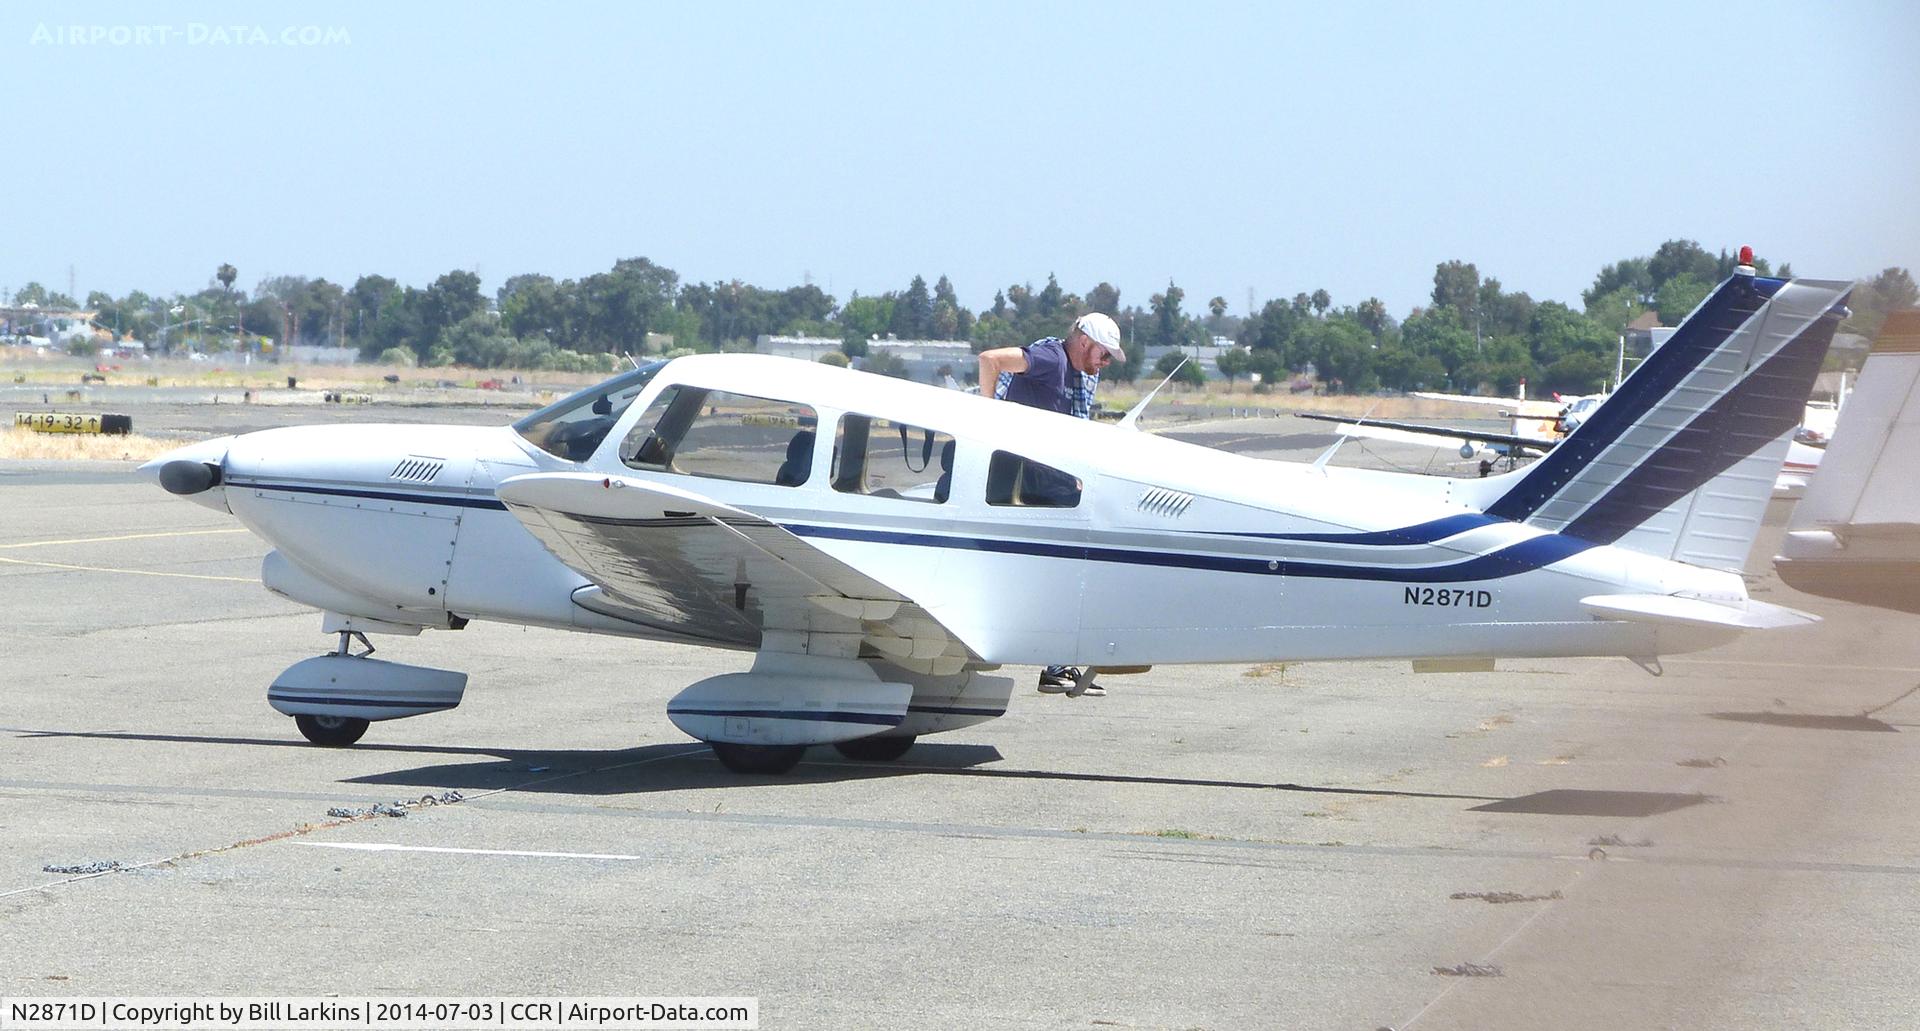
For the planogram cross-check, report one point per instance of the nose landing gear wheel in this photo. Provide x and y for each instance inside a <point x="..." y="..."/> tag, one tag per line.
<point x="757" y="758"/>
<point x="875" y="749"/>
<point x="331" y="731"/>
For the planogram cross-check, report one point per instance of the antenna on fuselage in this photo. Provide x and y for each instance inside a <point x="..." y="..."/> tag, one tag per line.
<point x="1130" y="421"/>
<point x="1341" y="438"/>
<point x="1333" y="449"/>
<point x="631" y="360"/>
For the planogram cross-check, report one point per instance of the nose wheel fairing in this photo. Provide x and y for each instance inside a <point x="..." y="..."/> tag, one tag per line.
<point x="345" y="686"/>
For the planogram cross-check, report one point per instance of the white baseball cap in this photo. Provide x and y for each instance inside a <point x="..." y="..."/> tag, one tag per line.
<point x="1102" y="330"/>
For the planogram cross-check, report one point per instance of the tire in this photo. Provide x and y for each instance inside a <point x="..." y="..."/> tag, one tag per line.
<point x="883" y="749"/>
<point x="757" y="758"/>
<point x="331" y="731"/>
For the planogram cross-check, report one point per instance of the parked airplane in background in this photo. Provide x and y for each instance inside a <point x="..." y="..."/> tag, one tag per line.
<point x="1802" y="461"/>
<point x="883" y="546"/>
<point x="1547" y="420"/>
<point x="1821" y="418"/>
<point x="1535" y="426"/>
<point x="1856" y="534"/>
<point x="1535" y="433"/>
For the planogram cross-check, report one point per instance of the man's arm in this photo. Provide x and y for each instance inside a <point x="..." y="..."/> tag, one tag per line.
<point x="997" y="361"/>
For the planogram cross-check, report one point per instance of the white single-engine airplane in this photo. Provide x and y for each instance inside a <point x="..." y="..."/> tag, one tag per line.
<point x="881" y="546"/>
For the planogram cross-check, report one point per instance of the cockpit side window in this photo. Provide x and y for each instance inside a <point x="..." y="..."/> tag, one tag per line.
<point x="573" y="427"/>
<point x="724" y="436"/>
<point x="886" y="459"/>
<point x="1023" y="482"/>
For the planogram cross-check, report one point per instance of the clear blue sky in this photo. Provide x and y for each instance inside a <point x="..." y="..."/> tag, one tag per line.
<point x="1227" y="146"/>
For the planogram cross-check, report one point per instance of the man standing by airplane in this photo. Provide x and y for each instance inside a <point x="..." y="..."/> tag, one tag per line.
<point x="1054" y="374"/>
<point x="1059" y="376"/>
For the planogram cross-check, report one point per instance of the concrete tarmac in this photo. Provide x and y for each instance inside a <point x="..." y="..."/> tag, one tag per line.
<point x="1557" y="844"/>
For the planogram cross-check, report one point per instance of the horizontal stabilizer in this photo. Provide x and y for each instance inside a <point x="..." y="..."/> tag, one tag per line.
<point x="1693" y="612"/>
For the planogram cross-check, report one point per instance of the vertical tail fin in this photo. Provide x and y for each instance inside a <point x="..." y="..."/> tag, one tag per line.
<point x="1866" y="477"/>
<point x="1856" y="535"/>
<point x="1680" y="461"/>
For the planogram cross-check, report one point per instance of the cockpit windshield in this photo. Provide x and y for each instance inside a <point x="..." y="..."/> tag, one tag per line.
<point x="573" y="427"/>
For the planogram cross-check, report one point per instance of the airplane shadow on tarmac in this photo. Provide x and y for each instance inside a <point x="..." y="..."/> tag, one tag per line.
<point x="684" y="765"/>
<point x="1809" y="721"/>
<point x="681" y="766"/>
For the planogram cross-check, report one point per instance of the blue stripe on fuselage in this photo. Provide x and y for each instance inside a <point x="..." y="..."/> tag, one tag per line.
<point x="1514" y="559"/>
<point x="454" y="500"/>
<point x="1421" y="533"/>
<point x="1524" y="557"/>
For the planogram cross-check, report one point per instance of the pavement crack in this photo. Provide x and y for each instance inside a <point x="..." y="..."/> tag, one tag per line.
<point x="1470" y="970"/>
<point x="1499" y="898"/>
<point x="1904" y="695"/>
<point x="397" y="808"/>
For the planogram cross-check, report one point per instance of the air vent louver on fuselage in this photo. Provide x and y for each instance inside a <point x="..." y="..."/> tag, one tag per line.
<point x="417" y="470"/>
<point x="1163" y="502"/>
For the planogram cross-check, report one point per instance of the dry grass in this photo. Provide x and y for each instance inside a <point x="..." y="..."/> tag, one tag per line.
<point x="1178" y="402"/>
<point x="1217" y="401"/>
<point x="21" y="366"/>
<point x="26" y="444"/>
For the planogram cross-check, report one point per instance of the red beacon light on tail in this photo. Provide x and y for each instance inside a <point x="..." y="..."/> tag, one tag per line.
<point x="1745" y="268"/>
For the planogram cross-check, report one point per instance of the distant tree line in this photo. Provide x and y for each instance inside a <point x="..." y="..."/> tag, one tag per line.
<point x="1473" y="336"/>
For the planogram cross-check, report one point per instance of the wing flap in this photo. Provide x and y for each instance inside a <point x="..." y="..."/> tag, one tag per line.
<point x="702" y="567"/>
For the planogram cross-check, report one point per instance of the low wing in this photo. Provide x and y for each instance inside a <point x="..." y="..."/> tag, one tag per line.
<point x="680" y="561"/>
<point x="1444" y="432"/>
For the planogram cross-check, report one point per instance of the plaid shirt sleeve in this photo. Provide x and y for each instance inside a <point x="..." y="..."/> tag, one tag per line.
<point x="1083" y="395"/>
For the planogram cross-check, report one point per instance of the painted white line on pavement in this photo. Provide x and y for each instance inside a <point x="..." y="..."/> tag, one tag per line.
<point x="362" y="846"/>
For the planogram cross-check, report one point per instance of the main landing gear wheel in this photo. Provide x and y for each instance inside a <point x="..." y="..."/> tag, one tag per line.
<point x="875" y="749"/>
<point x="331" y="731"/>
<point x="757" y="758"/>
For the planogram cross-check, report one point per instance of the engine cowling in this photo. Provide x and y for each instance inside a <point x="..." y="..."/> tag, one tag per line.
<point x="287" y="579"/>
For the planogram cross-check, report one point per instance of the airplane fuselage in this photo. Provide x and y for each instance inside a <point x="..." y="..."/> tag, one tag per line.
<point x="1172" y="553"/>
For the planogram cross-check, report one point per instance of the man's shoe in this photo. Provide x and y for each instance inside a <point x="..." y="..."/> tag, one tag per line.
<point x="1083" y="685"/>
<point x="1058" y="680"/>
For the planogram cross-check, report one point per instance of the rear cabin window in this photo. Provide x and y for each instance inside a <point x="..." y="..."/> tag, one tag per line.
<point x="886" y="459"/>
<point x="723" y="436"/>
<point x="1016" y="481"/>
